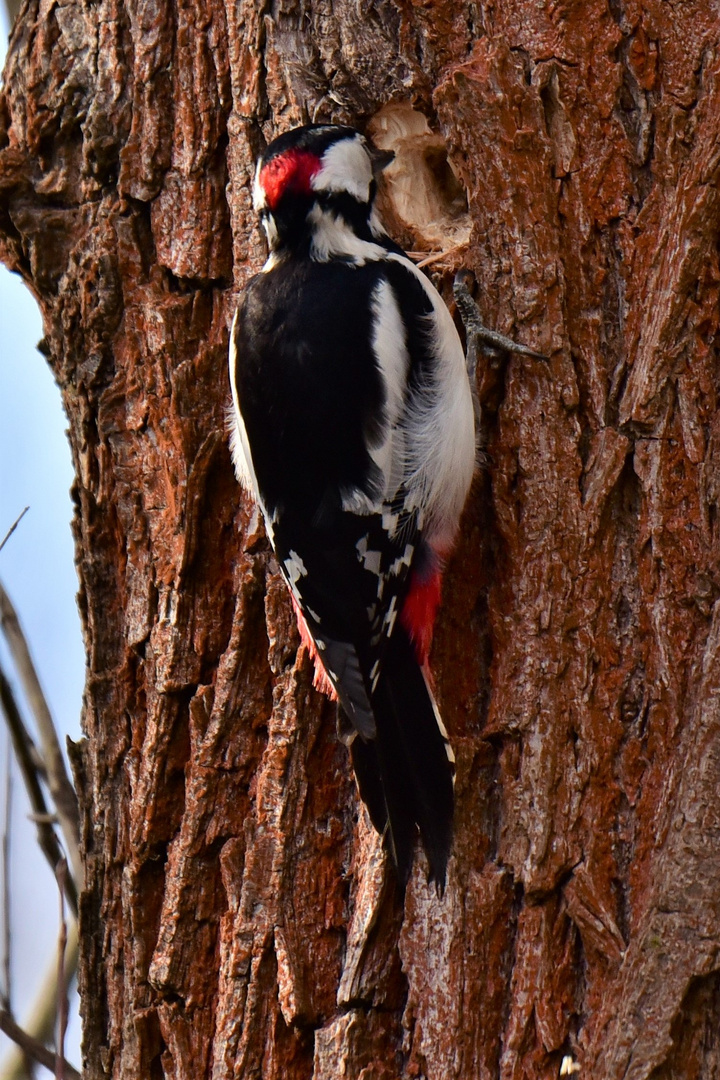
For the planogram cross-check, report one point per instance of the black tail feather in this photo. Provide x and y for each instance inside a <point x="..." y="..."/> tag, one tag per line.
<point x="383" y="782"/>
<point x="404" y="774"/>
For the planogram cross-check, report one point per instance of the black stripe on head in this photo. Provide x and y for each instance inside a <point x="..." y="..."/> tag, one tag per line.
<point x="313" y="137"/>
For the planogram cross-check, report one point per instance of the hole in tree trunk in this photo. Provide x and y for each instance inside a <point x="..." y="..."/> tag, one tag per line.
<point x="422" y="196"/>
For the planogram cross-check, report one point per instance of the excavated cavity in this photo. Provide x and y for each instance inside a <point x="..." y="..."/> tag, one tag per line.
<point x="422" y="190"/>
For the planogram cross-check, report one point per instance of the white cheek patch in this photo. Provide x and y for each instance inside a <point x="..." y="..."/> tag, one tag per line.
<point x="345" y="167"/>
<point x="259" y="197"/>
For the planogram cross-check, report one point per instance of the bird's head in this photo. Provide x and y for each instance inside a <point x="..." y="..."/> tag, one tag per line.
<point x="314" y="174"/>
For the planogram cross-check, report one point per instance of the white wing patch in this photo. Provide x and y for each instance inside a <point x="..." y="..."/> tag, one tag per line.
<point x="389" y="344"/>
<point x="429" y="440"/>
<point x="440" y="425"/>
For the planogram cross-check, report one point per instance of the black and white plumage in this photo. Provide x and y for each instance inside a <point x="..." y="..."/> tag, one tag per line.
<point x="354" y="431"/>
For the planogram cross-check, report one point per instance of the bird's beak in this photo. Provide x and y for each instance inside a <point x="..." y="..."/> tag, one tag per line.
<point x="380" y="159"/>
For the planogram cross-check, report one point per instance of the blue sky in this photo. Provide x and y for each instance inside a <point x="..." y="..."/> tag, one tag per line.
<point x="37" y="569"/>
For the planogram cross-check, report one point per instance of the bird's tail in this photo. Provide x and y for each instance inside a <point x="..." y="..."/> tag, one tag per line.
<point x="406" y="773"/>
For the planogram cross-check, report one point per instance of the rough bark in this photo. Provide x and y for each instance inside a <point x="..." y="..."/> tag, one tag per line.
<point x="237" y="918"/>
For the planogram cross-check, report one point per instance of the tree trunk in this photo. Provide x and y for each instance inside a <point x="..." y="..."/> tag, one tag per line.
<point x="238" y="918"/>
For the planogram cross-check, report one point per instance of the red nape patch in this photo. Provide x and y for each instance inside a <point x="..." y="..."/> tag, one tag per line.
<point x="292" y="171"/>
<point x="419" y="610"/>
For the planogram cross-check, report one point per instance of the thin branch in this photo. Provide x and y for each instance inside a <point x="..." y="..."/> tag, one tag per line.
<point x="32" y="1047"/>
<point x="25" y="754"/>
<point x="6" y="1002"/>
<point x="7" y="996"/>
<point x="13" y="527"/>
<point x="40" y="1021"/>
<point x="62" y="999"/>
<point x="59" y="783"/>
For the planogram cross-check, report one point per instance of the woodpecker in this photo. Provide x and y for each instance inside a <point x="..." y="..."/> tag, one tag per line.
<point x="353" y="429"/>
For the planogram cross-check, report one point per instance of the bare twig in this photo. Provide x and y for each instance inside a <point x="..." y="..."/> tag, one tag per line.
<point x="7" y="996"/>
<point x="32" y="1047"/>
<point x="13" y="527"/>
<point x="62" y="999"/>
<point x="59" y="783"/>
<point x="40" y="1021"/>
<point x="24" y="751"/>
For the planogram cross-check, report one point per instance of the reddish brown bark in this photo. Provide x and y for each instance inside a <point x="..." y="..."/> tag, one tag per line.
<point x="237" y="918"/>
